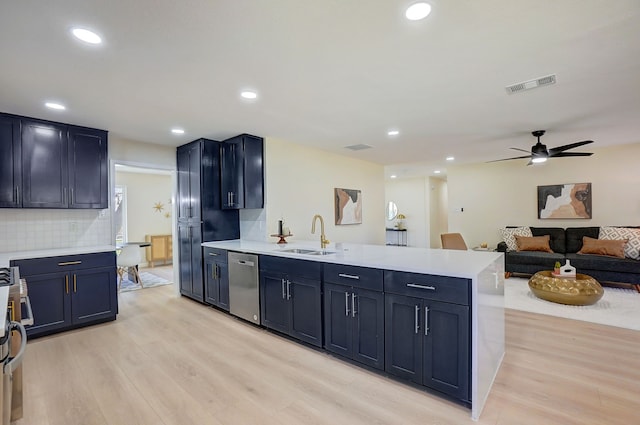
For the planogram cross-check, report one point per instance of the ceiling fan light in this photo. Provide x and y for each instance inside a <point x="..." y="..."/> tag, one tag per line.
<point x="539" y="160"/>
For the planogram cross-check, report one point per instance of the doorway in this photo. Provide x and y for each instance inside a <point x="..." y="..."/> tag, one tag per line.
<point x="143" y="211"/>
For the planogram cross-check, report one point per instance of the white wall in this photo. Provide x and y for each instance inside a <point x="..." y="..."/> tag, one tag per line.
<point x="143" y="154"/>
<point x="412" y="198"/>
<point x="494" y="195"/>
<point x="299" y="183"/>
<point x="438" y="211"/>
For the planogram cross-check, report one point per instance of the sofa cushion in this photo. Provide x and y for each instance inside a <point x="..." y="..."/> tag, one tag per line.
<point x="544" y="260"/>
<point x="508" y="235"/>
<point x="574" y="237"/>
<point x="556" y="237"/>
<point x="632" y="248"/>
<point x="585" y="262"/>
<point x="611" y="248"/>
<point x="535" y="243"/>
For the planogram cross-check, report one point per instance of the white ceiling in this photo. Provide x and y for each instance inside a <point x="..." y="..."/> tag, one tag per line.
<point x="333" y="73"/>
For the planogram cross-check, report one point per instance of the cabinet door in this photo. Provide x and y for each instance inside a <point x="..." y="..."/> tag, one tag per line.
<point x="446" y="348"/>
<point x="50" y="302"/>
<point x="93" y="295"/>
<point x="197" y="280"/>
<point x="305" y="301"/>
<point x="337" y="319"/>
<point x="88" y="168"/>
<point x="44" y="165"/>
<point x="10" y="162"/>
<point x="223" y="285"/>
<point x="403" y="347"/>
<point x="211" y="281"/>
<point x="232" y="174"/>
<point x="253" y="172"/>
<point x="274" y="306"/>
<point x="367" y="311"/>
<point x="184" y="261"/>
<point x="183" y="193"/>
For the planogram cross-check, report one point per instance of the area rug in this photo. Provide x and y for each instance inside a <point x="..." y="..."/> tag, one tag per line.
<point x="618" y="306"/>
<point x="149" y="280"/>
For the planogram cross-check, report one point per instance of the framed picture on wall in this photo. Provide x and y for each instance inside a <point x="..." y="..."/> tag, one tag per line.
<point x="348" y="206"/>
<point x="572" y="200"/>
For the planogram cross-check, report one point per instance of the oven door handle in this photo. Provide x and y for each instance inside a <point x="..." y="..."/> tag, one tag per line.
<point x="16" y="361"/>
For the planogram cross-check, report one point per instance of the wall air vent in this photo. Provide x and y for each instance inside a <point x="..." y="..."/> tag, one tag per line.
<point x="531" y="84"/>
<point x="358" y="147"/>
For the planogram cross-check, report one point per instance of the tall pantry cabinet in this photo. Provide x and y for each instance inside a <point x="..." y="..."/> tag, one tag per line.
<point x="200" y="216"/>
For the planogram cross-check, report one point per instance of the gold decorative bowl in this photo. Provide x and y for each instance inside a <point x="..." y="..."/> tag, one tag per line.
<point x="579" y="290"/>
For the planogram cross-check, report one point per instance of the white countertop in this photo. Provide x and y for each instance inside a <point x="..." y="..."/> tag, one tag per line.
<point x="445" y="262"/>
<point x="6" y="257"/>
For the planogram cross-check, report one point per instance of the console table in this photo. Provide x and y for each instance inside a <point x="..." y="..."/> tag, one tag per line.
<point x="396" y="237"/>
<point x="161" y="249"/>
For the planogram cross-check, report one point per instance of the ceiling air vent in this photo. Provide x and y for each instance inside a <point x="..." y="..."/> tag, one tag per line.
<point x="532" y="84"/>
<point x="358" y="147"/>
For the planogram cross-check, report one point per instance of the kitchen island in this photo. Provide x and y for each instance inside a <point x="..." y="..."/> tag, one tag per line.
<point x="484" y="272"/>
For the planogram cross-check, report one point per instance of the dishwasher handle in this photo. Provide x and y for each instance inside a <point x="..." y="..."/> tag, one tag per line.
<point x="246" y="263"/>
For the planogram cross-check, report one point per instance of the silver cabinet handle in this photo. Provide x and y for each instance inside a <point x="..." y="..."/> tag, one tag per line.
<point x="17" y="194"/>
<point x="353" y="304"/>
<point x="349" y="276"/>
<point x="64" y="195"/>
<point x="71" y="196"/>
<point x="346" y="304"/>
<point x="288" y="289"/>
<point x="417" y="313"/>
<point x="426" y="321"/>
<point x="214" y="254"/>
<point x="70" y="263"/>
<point x="413" y="285"/>
<point x="245" y="263"/>
<point x="283" y="295"/>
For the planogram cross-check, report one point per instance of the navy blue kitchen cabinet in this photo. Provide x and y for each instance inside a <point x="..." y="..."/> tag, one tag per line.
<point x="52" y="165"/>
<point x="70" y="291"/>
<point x="354" y="313"/>
<point x="242" y="172"/>
<point x="428" y="340"/>
<point x="291" y="297"/>
<point x="10" y="162"/>
<point x="200" y="217"/>
<point x="216" y="271"/>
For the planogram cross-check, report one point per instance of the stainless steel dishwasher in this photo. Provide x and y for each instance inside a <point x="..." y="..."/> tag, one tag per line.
<point x="244" y="296"/>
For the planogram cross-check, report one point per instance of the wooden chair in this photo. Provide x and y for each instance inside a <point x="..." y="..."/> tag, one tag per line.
<point x="453" y="241"/>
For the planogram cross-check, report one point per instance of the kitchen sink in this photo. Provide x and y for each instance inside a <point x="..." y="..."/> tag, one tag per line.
<point x="321" y="252"/>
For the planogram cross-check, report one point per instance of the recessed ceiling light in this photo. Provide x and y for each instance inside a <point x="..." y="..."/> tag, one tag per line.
<point x="437" y="172"/>
<point x="393" y="132"/>
<point x="55" y="105"/>
<point x="177" y="131"/>
<point x="249" y="94"/>
<point x="393" y="176"/>
<point x="418" y="11"/>
<point x="86" y="36"/>
<point x="450" y="158"/>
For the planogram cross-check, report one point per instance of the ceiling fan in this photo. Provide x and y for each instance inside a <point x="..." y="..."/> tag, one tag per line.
<point x="540" y="153"/>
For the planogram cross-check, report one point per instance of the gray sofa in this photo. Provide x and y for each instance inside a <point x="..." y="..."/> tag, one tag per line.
<point x="565" y="244"/>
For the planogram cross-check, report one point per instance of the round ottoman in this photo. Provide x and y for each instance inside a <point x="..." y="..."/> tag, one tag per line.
<point x="578" y="290"/>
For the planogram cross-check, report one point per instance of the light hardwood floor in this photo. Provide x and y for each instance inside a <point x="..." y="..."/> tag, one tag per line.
<point x="167" y="360"/>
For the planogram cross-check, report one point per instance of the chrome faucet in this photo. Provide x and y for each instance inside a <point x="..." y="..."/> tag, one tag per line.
<point x="323" y="240"/>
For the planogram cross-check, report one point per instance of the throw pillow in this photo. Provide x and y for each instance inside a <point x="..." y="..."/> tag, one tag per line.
<point x="632" y="248"/>
<point x="508" y="235"/>
<point x="611" y="248"/>
<point x="535" y="243"/>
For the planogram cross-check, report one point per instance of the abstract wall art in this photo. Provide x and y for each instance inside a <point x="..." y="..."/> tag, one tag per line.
<point x="571" y="200"/>
<point x="348" y="204"/>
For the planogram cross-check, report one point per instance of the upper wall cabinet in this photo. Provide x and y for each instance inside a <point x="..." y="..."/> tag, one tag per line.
<point x="242" y="171"/>
<point x="53" y="165"/>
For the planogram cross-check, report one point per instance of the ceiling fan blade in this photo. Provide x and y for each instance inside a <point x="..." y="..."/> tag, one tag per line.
<point x="522" y="150"/>
<point x="556" y="151"/>
<point x="561" y="154"/>
<point x="508" y="159"/>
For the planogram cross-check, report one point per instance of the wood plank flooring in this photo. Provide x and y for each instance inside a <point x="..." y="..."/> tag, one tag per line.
<point x="167" y="360"/>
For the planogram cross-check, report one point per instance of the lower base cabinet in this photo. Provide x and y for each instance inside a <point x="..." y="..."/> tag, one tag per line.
<point x="354" y="323"/>
<point x="70" y="291"/>
<point x="216" y="279"/>
<point x="291" y="298"/>
<point x="428" y="343"/>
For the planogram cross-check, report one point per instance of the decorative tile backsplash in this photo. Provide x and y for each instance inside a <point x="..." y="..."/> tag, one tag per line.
<point x="32" y="229"/>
